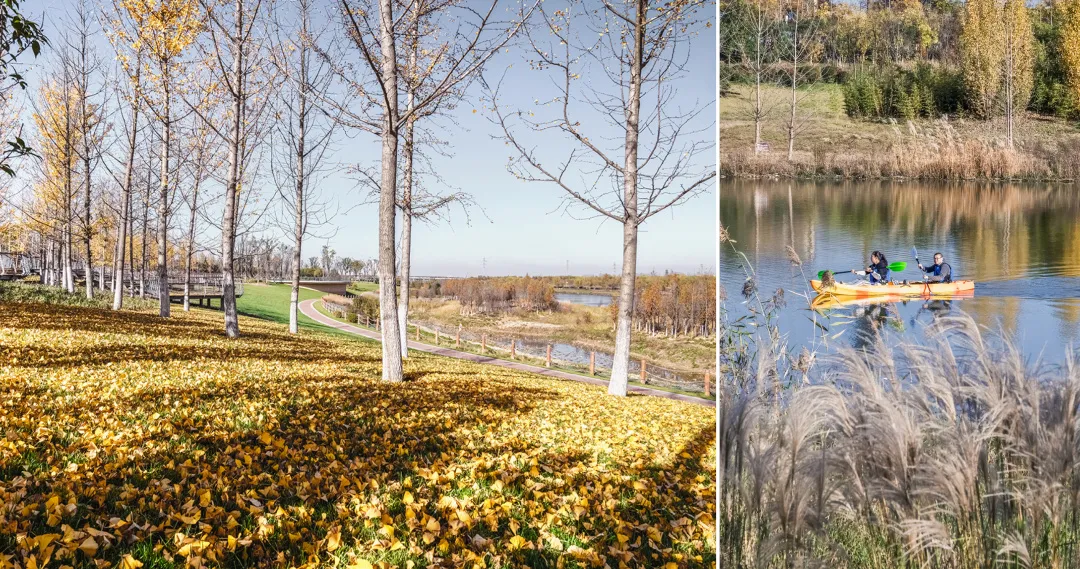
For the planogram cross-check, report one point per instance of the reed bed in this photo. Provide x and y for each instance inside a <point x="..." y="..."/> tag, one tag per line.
<point x="948" y="454"/>
<point x="935" y="152"/>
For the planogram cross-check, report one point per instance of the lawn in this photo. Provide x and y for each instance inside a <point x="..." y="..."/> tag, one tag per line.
<point x="133" y="440"/>
<point x="271" y="302"/>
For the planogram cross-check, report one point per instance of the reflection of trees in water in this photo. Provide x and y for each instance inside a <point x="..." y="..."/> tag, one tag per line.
<point x="997" y="231"/>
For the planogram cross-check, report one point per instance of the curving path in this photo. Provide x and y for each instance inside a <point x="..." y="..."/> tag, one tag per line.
<point x="307" y="307"/>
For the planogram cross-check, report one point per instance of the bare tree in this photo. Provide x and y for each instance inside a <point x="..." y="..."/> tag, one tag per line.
<point x="304" y="131"/>
<point x="233" y="50"/>
<point x="473" y="35"/>
<point x="84" y="64"/>
<point x="802" y="25"/>
<point x="133" y="76"/>
<point x="641" y="52"/>
<point x="203" y="157"/>
<point x="760" y="20"/>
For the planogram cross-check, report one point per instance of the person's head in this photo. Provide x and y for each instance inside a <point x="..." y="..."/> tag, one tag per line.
<point x="877" y="257"/>
<point x="939" y="258"/>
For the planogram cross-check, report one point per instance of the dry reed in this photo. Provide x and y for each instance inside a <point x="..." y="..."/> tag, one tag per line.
<point x="949" y="454"/>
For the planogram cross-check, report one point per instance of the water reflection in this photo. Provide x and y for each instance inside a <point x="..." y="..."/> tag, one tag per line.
<point x="1020" y="243"/>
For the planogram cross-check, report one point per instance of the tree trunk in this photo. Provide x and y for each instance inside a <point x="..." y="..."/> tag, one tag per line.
<point x="620" y="366"/>
<point x="69" y="274"/>
<point x="145" y="223"/>
<point x="794" y="82"/>
<point x="407" y="187"/>
<point x="298" y="230"/>
<point x="131" y="247"/>
<point x="191" y="234"/>
<point x="86" y="225"/>
<point x="125" y="207"/>
<point x="391" y="332"/>
<point x="163" y="210"/>
<point x="228" y="233"/>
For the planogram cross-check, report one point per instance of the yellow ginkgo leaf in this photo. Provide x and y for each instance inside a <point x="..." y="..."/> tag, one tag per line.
<point x="129" y="562"/>
<point x="89" y="547"/>
<point x="333" y="538"/>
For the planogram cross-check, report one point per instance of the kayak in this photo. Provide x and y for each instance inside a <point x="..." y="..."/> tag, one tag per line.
<point x="829" y="300"/>
<point x="910" y="289"/>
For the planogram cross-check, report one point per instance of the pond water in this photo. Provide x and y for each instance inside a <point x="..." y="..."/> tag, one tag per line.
<point x="584" y="298"/>
<point x="1021" y="244"/>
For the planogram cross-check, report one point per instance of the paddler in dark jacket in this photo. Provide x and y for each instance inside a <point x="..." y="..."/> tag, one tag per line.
<point x="940" y="271"/>
<point x="878" y="270"/>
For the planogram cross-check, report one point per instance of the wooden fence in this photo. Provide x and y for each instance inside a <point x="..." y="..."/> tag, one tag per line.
<point x="540" y="353"/>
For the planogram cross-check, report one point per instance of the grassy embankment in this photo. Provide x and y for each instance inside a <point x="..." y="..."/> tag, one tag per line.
<point x="129" y="439"/>
<point x="829" y="144"/>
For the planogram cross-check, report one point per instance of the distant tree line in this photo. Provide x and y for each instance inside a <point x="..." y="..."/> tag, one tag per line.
<point x="669" y="305"/>
<point x="676" y="305"/>
<point x="487" y="295"/>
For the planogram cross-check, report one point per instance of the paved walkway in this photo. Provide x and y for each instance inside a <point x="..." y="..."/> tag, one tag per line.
<point x="307" y="307"/>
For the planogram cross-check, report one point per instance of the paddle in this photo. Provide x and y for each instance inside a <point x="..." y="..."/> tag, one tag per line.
<point x="915" y="253"/>
<point x="893" y="267"/>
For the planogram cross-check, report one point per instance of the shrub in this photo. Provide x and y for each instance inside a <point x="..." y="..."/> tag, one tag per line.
<point x="893" y="92"/>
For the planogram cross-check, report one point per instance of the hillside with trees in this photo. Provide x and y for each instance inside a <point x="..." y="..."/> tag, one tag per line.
<point x="986" y="80"/>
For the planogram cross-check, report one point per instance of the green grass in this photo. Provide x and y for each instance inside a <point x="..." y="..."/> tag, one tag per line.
<point x="361" y="286"/>
<point x="271" y="302"/>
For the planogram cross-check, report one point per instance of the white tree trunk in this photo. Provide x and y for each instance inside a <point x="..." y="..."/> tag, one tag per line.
<point x="406" y="198"/>
<point x="298" y="233"/>
<point x="620" y="366"/>
<point x="391" y="331"/>
<point x="163" y="213"/>
<point x="228" y="233"/>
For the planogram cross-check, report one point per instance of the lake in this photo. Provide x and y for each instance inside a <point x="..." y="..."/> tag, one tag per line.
<point x="1020" y="243"/>
<point x="584" y="298"/>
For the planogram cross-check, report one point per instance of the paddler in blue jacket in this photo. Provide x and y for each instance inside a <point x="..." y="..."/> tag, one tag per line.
<point x="940" y="271"/>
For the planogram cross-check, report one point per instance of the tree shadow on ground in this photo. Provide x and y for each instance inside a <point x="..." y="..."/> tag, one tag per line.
<point x="273" y="443"/>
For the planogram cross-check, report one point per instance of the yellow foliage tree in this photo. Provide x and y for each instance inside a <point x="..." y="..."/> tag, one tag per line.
<point x="981" y="53"/>
<point x="1070" y="44"/>
<point x="1018" y="62"/>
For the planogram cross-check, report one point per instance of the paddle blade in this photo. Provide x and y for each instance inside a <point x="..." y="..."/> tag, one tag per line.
<point x="914" y="253"/>
<point x="897" y="266"/>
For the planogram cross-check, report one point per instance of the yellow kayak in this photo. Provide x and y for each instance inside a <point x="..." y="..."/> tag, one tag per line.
<point x="827" y="300"/>
<point x="898" y="289"/>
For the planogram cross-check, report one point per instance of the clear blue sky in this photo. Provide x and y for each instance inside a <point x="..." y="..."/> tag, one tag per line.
<point x="523" y="230"/>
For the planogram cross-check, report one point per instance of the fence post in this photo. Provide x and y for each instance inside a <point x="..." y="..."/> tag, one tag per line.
<point x="706" y="383"/>
<point x="417" y="332"/>
<point x="592" y="363"/>
<point x="483" y="343"/>
<point x="513" y="348"/>
<point x="436" y="336"/>
<point x="457" y="340"/>
<point x="548" y="356"/>
<point x="643" y="378"/>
